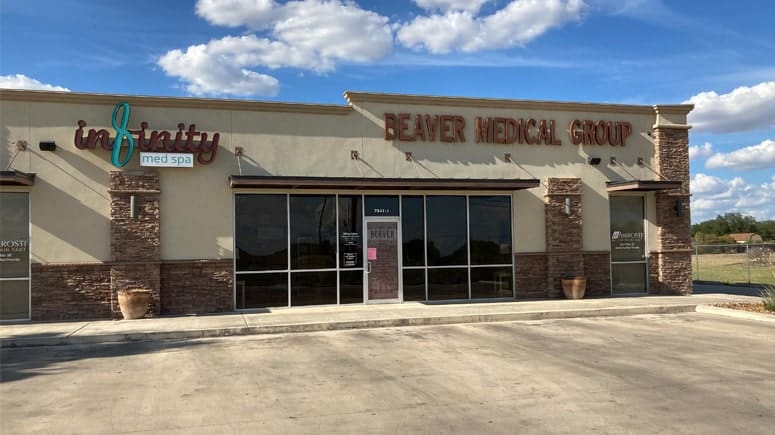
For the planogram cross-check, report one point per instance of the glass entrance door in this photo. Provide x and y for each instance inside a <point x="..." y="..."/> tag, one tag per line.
<point x="382" y="258"/>
<point x="14" y="256"/>
<point x="628" y="246"/>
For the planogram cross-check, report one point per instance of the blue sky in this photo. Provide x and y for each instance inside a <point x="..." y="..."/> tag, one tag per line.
<point x="717" y="55"/>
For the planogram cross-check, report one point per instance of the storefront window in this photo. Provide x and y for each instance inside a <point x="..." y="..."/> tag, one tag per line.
<point x="490" y="229"/>
<point x="262" y="290"/>
<point x="14" y="256"/>
<point x="313" y="288"/>
<point x="413" y="231"/>
<point x="381" y="205"/>
<point x="313" y="231"/>
<point x="414" y="284"/>
<point x="491" y="282"/>
<point x="261" y="234"/>
<point x="351" y="286"/>
<point x="350" y="232"/>
<point x="446" y="283"/>
<point x="447" y="230"/>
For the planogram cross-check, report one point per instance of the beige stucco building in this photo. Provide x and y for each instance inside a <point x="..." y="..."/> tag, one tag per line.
<point x="219" y="205"/>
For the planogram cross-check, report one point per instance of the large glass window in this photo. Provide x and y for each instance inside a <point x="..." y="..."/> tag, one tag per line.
<point x="313" y="288"/>
<point x="261" y="233"/>
<point x="413" y="231"/>
<point x="261" y="290"/>
<point x="490" y="229"/>
<point x="446" y="284"/>
<point x="313" y="231"/>
<point x="381" y="205"/>
<point x="14" y="256"/>
<point x="447" y="233"/>
<point x="350" y="232"/>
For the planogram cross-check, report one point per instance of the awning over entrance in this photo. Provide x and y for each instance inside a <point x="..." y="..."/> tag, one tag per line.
<point x="16" y="178"/>
<point x="353" y="183"/>
<point x="641" y="185"/>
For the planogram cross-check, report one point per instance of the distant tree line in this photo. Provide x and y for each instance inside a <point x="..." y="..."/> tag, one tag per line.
<point x="717" y="230"/>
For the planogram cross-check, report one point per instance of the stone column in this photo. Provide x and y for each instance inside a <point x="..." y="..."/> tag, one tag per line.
<point x="135" y="242"/>
<point x="671" y="263"/>
<point x="564" y="243"/>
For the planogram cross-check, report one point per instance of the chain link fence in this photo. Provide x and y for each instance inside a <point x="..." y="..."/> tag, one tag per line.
<point x="741" y="263"/>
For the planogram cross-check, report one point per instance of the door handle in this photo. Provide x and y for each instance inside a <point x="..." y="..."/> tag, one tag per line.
<point x="368" y="267"/>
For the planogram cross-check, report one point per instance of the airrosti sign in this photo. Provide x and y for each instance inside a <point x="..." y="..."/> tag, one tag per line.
<point x="406" y="127"/>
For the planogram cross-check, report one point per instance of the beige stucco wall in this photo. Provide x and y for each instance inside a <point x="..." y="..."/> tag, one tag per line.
<point x="71" y="204"/>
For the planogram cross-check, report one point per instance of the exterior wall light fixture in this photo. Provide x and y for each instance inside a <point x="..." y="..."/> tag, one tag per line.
<point x="678" y="208"/>
<point x="132" y="207"/>
<point x="47" y="146"/>
<point x="567" y="207"/>
<point x="354" y="155"/>
<point x="594" y="161"/>
<point x="409" y="156"/>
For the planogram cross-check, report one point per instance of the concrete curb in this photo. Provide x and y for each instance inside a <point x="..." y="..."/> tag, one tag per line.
<point x="737" y="314"/>
<point x="343" y="325"/>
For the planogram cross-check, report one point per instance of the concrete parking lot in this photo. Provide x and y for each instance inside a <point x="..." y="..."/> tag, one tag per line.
<point x="679" y="374"/>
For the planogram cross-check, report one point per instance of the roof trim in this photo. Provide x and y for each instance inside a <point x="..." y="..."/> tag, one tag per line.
<point x="641" y="185"/>
<point x="356" y="183"/>
<point x="368" y="97"/>
<point x="171" y="102"/>
<point x="16" y="178"/>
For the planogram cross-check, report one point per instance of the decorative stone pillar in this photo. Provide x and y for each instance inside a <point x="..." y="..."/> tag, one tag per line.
<point x="135" y="242"/>
<point x="564" y="243"/>
<point x="671" y="264"/>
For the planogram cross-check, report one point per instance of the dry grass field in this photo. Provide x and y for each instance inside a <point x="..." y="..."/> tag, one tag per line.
<point x="732" y="268"/>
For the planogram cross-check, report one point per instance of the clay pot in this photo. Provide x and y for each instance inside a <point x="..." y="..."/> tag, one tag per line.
<point x="134" y="303"/>
<point x="574" y="288"/>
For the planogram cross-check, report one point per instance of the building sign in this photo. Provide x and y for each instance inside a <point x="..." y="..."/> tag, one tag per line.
<point x="167" y="160"/>
<point x="627" y="246"/>
<point x="185" y="140"/>
<point x="406" y="127"/>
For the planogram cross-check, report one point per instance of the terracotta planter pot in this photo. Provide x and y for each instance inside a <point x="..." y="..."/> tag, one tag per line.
<point x="134" y="303"/>
<point x="574" y="288"/>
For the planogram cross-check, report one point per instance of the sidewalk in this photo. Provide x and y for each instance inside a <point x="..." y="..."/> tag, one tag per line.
<point x="311" y="319"/>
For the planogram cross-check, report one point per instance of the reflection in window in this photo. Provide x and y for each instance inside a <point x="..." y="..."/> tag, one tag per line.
<point x="491" y="282"/>
<point x="262" y="290"/>
<point x="313" y="231"/>
<point x="350" y="232"/>
<point x="313" y="288"/>
<point x="447" y="232"/>
<point x="351" y="286"/>
<point x="261" y="235"/>
<point x="413" y="230"/>
<point x="446" y="284"/>
<point x="414" y="284"/>
<point x="490" y="229"/>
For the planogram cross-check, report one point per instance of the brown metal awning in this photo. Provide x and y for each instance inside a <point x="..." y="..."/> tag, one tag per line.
<point x="641" y="185"/>
<point x="354" y="183"/>
<point x="16" y="178"/>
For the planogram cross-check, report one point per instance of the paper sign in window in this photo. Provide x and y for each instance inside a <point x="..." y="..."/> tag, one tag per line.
<point x="372" y="254"/>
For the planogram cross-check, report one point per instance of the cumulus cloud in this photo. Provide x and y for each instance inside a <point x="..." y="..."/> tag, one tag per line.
<point x="517" y="23"/>
<point x="744" y="108"/>
<point x="21" y="81"/>
<point x="310" y="34"/>
<point x="761" y="156"/>
<point x="450" y="5"/>
<point x="698" y="151"/>
<point x="712" y="196"/>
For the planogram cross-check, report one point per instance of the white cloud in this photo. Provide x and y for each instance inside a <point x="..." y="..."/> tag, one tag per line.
<point x="712" y="196"/>
<point x="761" y="156"/>
<point x="697" y="151"/>
<point x="20" y="81"/>
<point x="311" y="34"/>
<point x="450" y="5"/>
<point x="519" y="22"/>
<point x="742" y="109"/>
